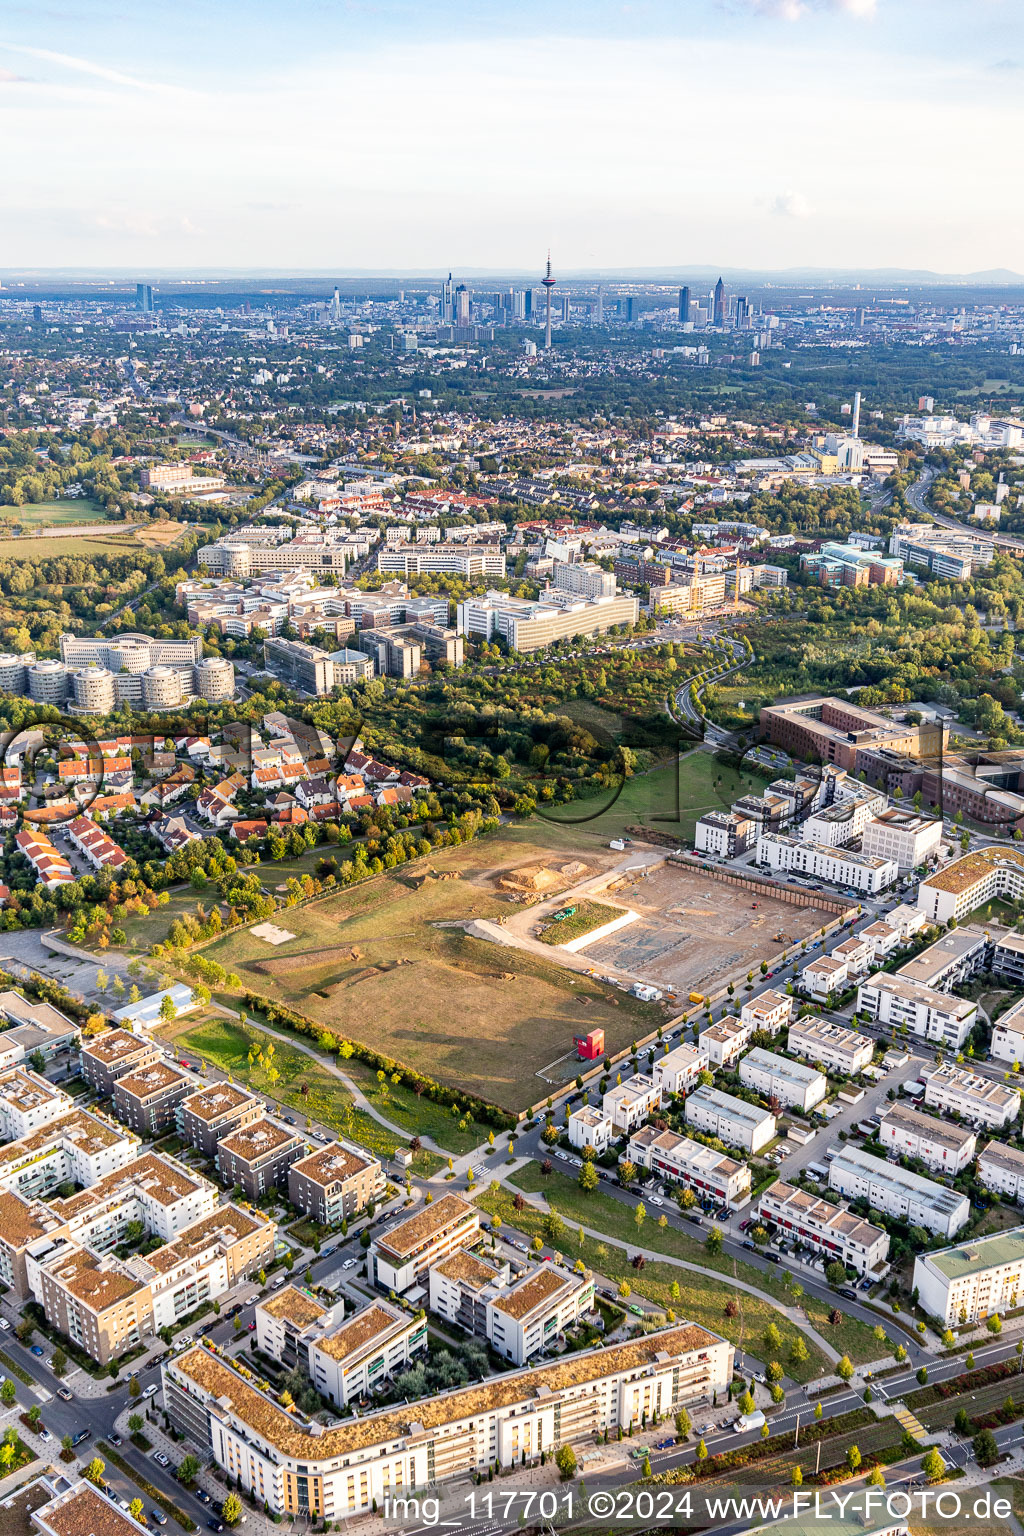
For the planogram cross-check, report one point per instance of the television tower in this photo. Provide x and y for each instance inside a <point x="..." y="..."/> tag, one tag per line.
<point x="548" y="282"/>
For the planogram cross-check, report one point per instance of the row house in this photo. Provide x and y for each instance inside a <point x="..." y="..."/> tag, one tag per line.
<point x="709" y="1173"/>
<point x="940" y="1145"/>
<point x="828" y="1229"/>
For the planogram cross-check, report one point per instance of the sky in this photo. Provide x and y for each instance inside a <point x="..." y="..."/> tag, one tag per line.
<point x="407" y="135"/>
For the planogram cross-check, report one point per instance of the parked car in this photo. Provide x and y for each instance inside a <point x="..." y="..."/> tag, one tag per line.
<point x="67" y="1397"/>
<point x="37" y="1349"/>
<point x="160" y="1459"/>
<point x="151" y="1390"/>
<point x="158" y="1517"/>
<point x="44" y="1434"/>
<point x="202" y="1496"/>
<point x="5" y="1326"/>
<point x="114" y="1439"/>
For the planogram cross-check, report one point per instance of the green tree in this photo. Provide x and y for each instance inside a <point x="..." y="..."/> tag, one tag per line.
<point x="135" y="1423"/>
<point x="844" y="1370"/>
<point x="59" y="1363"/>
<point x="713" y="1242"/>
<point x="876" y="1478"/>
<point x="588" y="1179"/>
<point x="565" y="1461"/>
<point x="854" y="1458"/>
<point x="799" y="1352"/>
<point x="134" y="1388"/>
<point x="8" y="1393"/>
<point x="986" y="1451"/>
<point x="682" y="1423"/>
<point x="188" y="1469"/>
<point x="135" y="1509"/>
<point x="933" y="1465"/>
<point x="232" y="1511"/>
<point x="702" y="1450"/>
<point x="95" y="1470"/>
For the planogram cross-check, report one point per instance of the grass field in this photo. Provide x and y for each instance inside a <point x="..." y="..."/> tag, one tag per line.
<point x="611" y="1216"/>
<point x="587" y="916"/>
<point x="55" y="514"/>
<point x="303" y="1084"/>
<point x="702" y="1298"/>
<point x="74" y="544"/>
<point x="379" y="964"/>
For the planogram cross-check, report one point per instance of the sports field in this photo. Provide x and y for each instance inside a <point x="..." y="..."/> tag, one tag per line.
<point x="57" y="514"/>
<point x="388" y="964"/>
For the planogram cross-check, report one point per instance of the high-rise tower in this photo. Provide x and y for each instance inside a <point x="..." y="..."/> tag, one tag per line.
<point x="684" y="305"/>
<point x="718" y="314"/>
<point x="548" y="282"/>
<point x="855" y="424"/>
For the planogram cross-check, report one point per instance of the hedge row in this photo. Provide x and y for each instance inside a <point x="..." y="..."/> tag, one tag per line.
<point x="481" y="1111"/>
<point x="987" y="1377"/>
<point x="149" y="1489"/>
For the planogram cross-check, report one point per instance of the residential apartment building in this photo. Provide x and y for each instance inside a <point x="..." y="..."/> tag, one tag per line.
<point x="335" y="1182"/>
<point x="837" y="825"/>
<point x="258" y="1156"/>
<point x="709" y="1173"/>
<point x="955" y="1090"/>
<point x="629" y="1104"/>
<point x="591" y="1127"/>
<point x="349" y="1361"/>
<point x="400" y="1256"/>
<point x="820" y="978"/>
<point x="109" y="1056"/>
<point x="725" y="1041"/>
<point x="768" y="1013"/>
<point x="724" y="834"/>
<point x="461" y="1285"/>
<point x="897" y="1192"/>
<point x="205" y="1118"/>
<point x="1001" y="1168"/>
<point x="817" y="861"/>
<point x="28" y="1102"/>
<point x="791" y="1083"/>
<point x="930" y="1015"/>
<point x="833" y="1046"/>
<point x="531" y="1313"/>
<point x="973" y="1280"/>
<point x="285" y="1320"/>
<point x="831" y="1230"/>
<point x="470" y="561"/>
<point x="732" y="1120"/>
<point x="678" y="1071"/>
<point x="941" y="1146"/>
<point x="953" y="958"/>
<point x="958" y="888"/>
<point x="1007" y="957"/>
<point x="37" y="1026"/>
<point x="343" y="1469"/>
<point x="905" y="837"/>
<point x="146" y="1100"/>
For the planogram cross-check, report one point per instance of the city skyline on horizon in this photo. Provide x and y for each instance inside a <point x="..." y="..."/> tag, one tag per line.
<point x="786" y="133"/>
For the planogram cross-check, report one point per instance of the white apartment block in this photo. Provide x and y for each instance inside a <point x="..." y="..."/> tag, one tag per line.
<point x="855" y="954"/>
<point x="835" y="1047"/>
<point x="709" y="1173"/>
<point x="591" y="1127"/>
<point x="793" y="1084"/>
<point x="1001" y="1168"/>
<point x="401" y="1255"/>
<point x="820" y="978"/>
<point x="828" y="1229"/>
<point x="972" y="1280"/>
<point x="725" y="1041"/>
<point x="838" y="825"/>
<point x="1008" y="1036"/>
<point x="732" y="1120"/>
<point x="79" y="1148"/>
<point x="347" y="1362"/>
<point x="768" y="1013"/>
<point x="958" y="888"/>
<point x="535" y="1309"/>
<point x="882" y="938"/>
<point x="905" y="837"/>
<point x="817" y="861"/>
<point x="629" y="1104"/>
<point x="893" y="1001"/>
<point x="896" y="1192"/>
<point x="724" y="834"/>
<point x="957" y="1091"/>
<point x="941" y="1146"/>
<point x="342" y="1470"/>
<point x="28" y="1101"/>
<point x="678" y="1071"/>
<point x="288" y="1315"/>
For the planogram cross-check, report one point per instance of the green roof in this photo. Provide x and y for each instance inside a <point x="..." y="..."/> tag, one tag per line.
<point x="982" y="1253"/>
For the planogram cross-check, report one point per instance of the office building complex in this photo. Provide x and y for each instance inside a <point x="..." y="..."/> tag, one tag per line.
<point x="529" y="626"/>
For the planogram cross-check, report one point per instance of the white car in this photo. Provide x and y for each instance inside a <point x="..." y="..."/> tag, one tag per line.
<point x="656" y="1200"/>
<point x="350" y="1264"/>
<point x="5" y="1325"/>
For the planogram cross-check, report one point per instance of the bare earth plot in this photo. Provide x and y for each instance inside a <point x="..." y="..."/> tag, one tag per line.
<point x="388" y="965"/>
<point x="695" y="935"/>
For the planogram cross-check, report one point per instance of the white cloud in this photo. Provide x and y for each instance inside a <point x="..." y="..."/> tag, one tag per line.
<point x="791" y="205"/>
<point x="795" y="10"/>
<point x="85" y="67"/>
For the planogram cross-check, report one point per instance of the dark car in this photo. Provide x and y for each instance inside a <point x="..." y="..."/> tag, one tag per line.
<point x="773" y="1258"/>
<point x="37" y="1349"/>
<point x="697" y="1219"/>
<point x="158" y="1516"/>
<point x="750" y="1247"/>
<point x="214" y="1525"/>
<point x="83" y="1434"/>
<point x="114" y="1439"/>
<point x="848" y="1292"/>
<point x="202" y="1496"/>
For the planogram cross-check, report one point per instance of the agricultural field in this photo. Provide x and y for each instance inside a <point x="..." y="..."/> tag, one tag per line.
<point x="75" y="544"/>
<point x="389" y="964"/>
<point x="55" y="514"/>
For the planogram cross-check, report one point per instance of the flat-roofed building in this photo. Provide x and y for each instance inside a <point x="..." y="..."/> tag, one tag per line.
<point x="629" y="1104"/>
<point x="401" y="1255"/>
<point x="335" y="1182"/>
<point x="205" y="1118"/>
<point x="146" y="1099"/>
<point x="724" y="834"/>
<point x="37" y="1026"/>
<point x="882" y="939"/>
<point x="284" y="1320"/>
<point x="931" y="1015"/>
<point x="109" y="1056"/>
<point x="768" y="1013"/>
<point x="895" y="1191"/>
<point x="829" y="1229"/>
<point x="726" y="1040"/>
<point x="732" y="1120"/>
<point x="957" y="1091"/>
<point x="1001" y="1168"/>
<point x="792" y="1083"/>
<point x="906" y="837"/>
<point x="855" y="954"/>
<point x="710" y="1173"/>
<point x="531" y="1313"/>
<point x="258" y="1156"/>
<point x="944" y="1147"/>
<point x="972" y="1280"/>
<point x="81" y="1510"/>
<point x="108" y="1305"/>
<point x="959" y="888"/>
<point x="832" y="1045"/>
<point x="1007" y="959"/>
<point x="823" y="976"/>
<point x="589" y="1126"/>
<point x="817" y="861"/>
<point x="521" y="1413"/>
<point x="679" y="1070"/>
<point x="460" y="1286"/>
<point x="835" y="731"/>
<point x="839" y="824"/>
<point x="1008" y="1036"/>
<point x="28" y="1101"/>
<point x="953" y="958"/>
<point x="351" y="1360"/>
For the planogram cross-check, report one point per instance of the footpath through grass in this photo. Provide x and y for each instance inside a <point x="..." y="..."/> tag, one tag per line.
<point x="606" y="1214"/>
<point x="303" y="1083"/>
